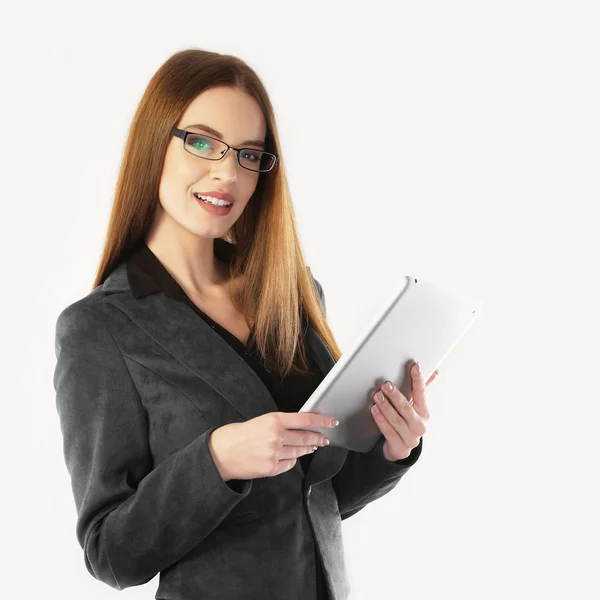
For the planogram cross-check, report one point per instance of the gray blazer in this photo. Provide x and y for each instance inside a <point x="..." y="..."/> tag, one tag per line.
<point x="140" y="385"/>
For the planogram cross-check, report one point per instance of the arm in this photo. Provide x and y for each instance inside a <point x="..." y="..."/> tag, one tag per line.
<point x="367" y="476"/>
<point x="132" y="520"/>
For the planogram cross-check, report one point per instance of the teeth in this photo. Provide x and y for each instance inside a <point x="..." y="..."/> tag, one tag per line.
<point x="211" y="200"/>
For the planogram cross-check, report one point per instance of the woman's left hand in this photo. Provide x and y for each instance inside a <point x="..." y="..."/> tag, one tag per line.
<point x="401" y="421"/>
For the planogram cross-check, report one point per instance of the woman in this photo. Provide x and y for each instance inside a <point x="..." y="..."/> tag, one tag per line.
<point x="180" y="375"/>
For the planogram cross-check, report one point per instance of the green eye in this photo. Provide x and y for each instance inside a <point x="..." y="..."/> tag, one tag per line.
<point x="200" y="144"/>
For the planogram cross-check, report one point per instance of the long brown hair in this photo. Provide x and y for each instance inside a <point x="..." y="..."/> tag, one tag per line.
<point x="267" y="252"/>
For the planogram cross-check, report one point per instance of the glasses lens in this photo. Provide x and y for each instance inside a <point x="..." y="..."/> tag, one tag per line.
<point x="204" y="146"/>
<point x="207" y="147"/>
<point x="256" y="160"/>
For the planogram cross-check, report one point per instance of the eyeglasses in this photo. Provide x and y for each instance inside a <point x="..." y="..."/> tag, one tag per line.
<point x="211" y="148"/>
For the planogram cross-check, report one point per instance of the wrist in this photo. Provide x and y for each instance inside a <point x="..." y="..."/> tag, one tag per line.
<point x="213" y="444"/>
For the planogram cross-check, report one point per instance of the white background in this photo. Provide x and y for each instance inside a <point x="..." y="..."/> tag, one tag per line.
<point x="482" y="120"/>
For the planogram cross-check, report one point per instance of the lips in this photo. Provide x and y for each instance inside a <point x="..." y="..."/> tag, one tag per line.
<point x="221" y="195"/>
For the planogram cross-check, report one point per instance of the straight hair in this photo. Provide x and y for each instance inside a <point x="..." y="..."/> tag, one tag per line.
<point x="279" y="292"/>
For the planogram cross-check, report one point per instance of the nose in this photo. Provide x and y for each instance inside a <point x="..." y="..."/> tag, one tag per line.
<point x="231" y="155"/>
<point x="227" y="164"/>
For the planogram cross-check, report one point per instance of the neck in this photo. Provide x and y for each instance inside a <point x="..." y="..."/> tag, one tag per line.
<point x="190" y="259"/>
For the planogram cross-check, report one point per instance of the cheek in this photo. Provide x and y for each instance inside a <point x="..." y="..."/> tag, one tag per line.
<point x="177" y="180"/>
<point x="175" y="198"/>
<point x="248" y="189"/>
<point x="168" y="194"/>
<point x="181" y="168"/>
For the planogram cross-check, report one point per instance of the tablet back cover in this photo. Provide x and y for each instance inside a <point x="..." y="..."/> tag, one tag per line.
<point x="419" y="321"/>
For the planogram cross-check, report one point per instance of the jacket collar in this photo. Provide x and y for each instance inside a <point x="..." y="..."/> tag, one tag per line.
<point x="176" y="327"/>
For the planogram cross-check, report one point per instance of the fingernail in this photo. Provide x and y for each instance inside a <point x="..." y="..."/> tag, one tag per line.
<point x="418" y="368"/>
<point x="389" y="386"/>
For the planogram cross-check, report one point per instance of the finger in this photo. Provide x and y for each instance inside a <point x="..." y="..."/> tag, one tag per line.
<point x="395" y="400"/>
<point x="419" y="394"/>
<point x="401" y="415"/>
<point x="390" y="432"/>
<point x="433" y="376"/>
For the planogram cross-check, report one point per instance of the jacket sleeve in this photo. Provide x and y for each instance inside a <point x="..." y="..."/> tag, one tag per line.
<point x="367" y="476"/>
<point x="133" y="520"/>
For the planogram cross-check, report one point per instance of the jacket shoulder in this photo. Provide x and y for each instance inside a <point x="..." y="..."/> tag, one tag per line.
<point x="90" y="308"/>
<point x="93" y="304"/>
<point x="320" y="291"/>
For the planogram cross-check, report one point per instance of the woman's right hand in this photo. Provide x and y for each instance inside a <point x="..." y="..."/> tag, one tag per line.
<point x="266" y="445"/>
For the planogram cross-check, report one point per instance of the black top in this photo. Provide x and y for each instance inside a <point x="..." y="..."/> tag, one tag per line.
<point x="147" y="275"/>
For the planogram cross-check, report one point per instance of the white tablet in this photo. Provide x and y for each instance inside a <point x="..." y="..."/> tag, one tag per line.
<point x="420" y="322"/>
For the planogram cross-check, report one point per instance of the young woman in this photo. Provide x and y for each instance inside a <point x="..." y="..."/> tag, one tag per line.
<point x="179" y="376"/>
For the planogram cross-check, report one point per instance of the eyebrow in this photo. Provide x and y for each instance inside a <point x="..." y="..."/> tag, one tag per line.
<point x="219" y="135"/>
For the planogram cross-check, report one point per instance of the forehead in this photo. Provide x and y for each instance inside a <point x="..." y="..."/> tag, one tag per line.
<point x="228" y="111"/>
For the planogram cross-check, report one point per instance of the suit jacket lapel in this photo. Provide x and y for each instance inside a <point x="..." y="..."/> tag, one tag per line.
<point x="188" y="338"/>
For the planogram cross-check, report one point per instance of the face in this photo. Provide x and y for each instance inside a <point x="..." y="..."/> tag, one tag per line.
<point x="238" y="118"/>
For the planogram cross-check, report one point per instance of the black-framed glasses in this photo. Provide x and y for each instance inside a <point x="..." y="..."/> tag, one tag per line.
<point x="211" y="148"/>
